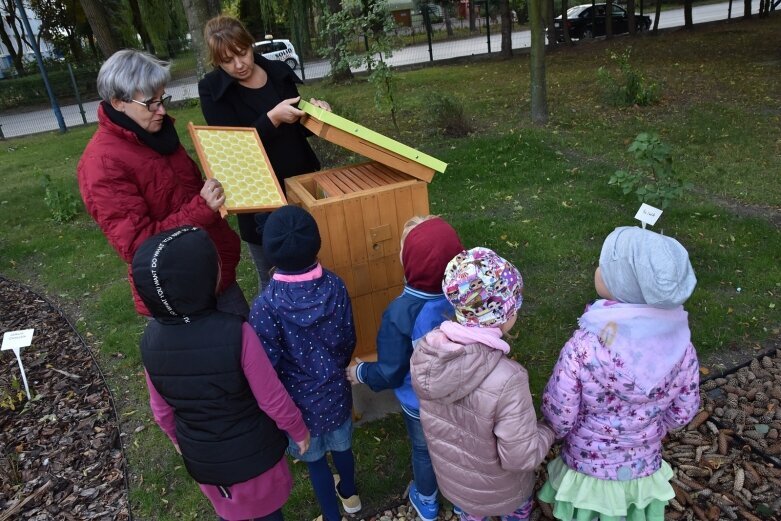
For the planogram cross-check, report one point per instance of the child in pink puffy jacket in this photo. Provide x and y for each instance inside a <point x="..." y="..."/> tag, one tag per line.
<point x="627" y="376"/>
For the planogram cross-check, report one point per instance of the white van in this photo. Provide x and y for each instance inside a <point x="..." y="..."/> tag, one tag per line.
<point x="281" y="50"/>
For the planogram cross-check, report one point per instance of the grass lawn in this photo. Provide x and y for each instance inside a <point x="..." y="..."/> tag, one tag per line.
<point x="539" y="196"/>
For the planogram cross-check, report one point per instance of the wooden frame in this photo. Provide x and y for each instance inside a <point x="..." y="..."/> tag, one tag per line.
<point x="237" y="167"/>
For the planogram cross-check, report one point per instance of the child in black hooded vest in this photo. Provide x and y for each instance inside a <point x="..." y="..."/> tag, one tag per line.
<point x="212" y="388"/>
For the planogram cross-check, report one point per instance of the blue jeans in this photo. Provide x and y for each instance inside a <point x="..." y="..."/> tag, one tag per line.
<point x="422" y="470"/>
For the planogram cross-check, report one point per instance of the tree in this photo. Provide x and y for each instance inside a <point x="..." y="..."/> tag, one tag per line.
<point x="472" y="17"/>
<point x="60" y="25"/>
<point x="109" y="41"/>
<point x="507" y="28"/>
<point x="746" y="9"/>
<point x="658" y="15"/>
<point x="630" y="9"/>
<point x="15" y="48"/>
<point x="249" y="14"/>
<point x="140" y="27"/>
<point x="608" y="19"/>
<point x="158" y="16"/>
<point x="550" y="14"/>
<point x="537" y="82"/>
<point x="688" y="23"/>
<point x="564" y="24"/>
<point x="198" y="13"/>
<point x="338" y="32"/>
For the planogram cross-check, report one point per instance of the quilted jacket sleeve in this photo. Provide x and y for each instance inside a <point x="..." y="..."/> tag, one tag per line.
<point x="117" y="205"/>
<point x="268" y="329"/>
<point x="522" y="442"/>
<point x="562" y="395"/>
<point x="687" y="387"/>
<point x="269" y="392"/>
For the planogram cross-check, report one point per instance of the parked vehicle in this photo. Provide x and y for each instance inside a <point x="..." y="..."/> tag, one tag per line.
<point x="581" y="24"/>
<point x="281" y="50"/>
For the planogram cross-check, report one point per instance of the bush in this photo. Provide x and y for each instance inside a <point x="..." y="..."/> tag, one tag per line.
<point x="654" y="181"/>
<point x="629" y="87"/>
<point x="447" y="114"/>
<point x="61" y="203"/>
<point x="30" y="90"/>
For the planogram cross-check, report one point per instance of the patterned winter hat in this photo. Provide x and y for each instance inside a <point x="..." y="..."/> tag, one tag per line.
<point x="484" y="288"/>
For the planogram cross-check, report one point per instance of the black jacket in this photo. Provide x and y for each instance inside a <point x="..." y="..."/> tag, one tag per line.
<point x="225" y="102"/>
<point x="192" y="353"/>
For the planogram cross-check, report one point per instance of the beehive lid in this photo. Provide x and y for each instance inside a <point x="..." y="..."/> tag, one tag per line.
<point x="371" y="144"/>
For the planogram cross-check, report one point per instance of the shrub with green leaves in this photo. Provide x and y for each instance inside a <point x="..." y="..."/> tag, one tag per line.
<point x="629" y="86"/>
<point x="61" y="203"/>
<point x="653" y="180"/>
<point x="446" y="113"/>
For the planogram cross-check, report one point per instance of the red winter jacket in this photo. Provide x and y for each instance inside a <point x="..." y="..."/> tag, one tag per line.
<point x="133" y="192"/>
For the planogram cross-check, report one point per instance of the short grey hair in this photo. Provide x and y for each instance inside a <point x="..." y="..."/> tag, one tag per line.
<point x="129" y="71"/>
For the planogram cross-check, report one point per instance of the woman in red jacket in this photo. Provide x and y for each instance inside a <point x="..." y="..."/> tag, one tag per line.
<point x="136" y="179"/>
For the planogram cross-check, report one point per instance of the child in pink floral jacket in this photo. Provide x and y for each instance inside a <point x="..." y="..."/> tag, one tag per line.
<point x="627" y="376"/>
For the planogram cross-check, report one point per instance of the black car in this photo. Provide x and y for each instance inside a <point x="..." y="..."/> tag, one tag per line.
<point x="582" y="24"/>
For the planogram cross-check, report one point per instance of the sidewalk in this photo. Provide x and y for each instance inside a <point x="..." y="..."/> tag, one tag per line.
<point x="12" y="125"/>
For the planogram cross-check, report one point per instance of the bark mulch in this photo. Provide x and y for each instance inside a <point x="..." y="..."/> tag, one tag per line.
<point x="60" y="454"/>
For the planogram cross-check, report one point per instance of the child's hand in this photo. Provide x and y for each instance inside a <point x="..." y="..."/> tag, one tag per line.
<point x="303" y="446"/>
<point x="352" y="372"/>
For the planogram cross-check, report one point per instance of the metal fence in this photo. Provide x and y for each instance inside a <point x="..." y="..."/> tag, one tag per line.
<point x="78" y="99"/>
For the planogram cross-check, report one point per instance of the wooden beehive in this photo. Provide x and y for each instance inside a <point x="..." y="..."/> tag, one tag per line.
<point x="361" y="210"/>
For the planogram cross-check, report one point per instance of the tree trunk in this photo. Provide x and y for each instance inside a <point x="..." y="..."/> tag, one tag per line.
<point x="657" y="15"/>
<point x="472" y="17"/>
<point x="198" y="14"/>
<point x="107" y="39"/>
<point x="539" y="99"/>
<point x="564" y="28"/>
<point x="16" y="57"/>
<point x="746" y="9"/>
<point x="609" y="19"/>
<point x="448" y="21"/>
<point x="630" y="19"/>
<point x="688" y="22"/>
<point x="249" y="13"/>
<point x="507" y="29"/>
<point x="138" y="24"/>
<point x="550" y="14"/>
<point x="214" y="7"/>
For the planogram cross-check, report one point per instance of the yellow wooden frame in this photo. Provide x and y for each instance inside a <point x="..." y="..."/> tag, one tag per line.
<point x="209" y="162"/>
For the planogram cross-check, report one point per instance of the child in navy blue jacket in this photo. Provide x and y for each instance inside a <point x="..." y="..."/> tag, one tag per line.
<point x="427" y="245"/>
<point x="305" y="323"/>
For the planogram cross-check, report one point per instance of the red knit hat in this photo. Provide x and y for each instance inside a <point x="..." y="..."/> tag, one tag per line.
<point x="427" y="249"/>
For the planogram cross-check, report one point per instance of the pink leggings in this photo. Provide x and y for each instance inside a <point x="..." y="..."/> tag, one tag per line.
<point x="522" y="513"/>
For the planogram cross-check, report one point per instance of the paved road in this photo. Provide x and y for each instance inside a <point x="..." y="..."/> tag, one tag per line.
<point x="43" y="120"/>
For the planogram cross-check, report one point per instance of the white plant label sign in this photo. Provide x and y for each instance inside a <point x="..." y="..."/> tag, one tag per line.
<point x="15" y="341"/>
<point x="647" y="214"/>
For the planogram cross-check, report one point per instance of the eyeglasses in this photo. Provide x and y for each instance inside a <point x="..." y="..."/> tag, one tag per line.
<point x="153" y="105"/>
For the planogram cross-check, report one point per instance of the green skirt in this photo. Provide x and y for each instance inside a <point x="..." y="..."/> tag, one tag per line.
<point x="580" y="497"/>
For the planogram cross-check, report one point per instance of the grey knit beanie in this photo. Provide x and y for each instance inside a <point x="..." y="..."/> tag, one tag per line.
<point x="643" y="267"/>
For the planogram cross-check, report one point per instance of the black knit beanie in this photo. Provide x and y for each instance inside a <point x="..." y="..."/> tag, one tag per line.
<point x="291" y="239"/>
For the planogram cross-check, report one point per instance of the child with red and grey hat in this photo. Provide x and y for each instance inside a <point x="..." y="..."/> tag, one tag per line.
<point x="475" y="405"/>
<point x="427" y="245"/>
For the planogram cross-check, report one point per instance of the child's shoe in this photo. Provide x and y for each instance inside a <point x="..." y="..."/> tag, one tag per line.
<point x="457" y="510"/>
<point x="350" y="504"/>
<point x="426" y="507"/>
